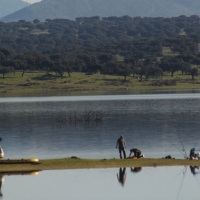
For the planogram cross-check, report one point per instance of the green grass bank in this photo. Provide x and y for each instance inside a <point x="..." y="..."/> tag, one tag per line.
<point x="71" y="163"/>
<point x="39" y="83"/>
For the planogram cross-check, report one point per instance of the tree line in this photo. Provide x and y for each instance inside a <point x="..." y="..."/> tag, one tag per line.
<point x="111" y="45"/>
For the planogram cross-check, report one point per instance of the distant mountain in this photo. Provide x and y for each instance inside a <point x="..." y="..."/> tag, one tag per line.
<point x="9" y="6"/>
<point x="70" y="9"/>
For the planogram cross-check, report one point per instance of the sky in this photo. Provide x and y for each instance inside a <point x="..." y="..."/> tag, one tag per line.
<point x="32" y="1"/>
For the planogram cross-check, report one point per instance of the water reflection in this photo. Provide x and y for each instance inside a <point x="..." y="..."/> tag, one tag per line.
<point x="193" y="170"/>
<point x="122" y="176"/>
<point x="136" y="169"/>
<point x="1" y="183"/>
<point x="160" y="183"/>
<point x="3" y="174"/>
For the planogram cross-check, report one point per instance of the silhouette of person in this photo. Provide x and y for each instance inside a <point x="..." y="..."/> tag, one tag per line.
<point x="136" y="169"/>
<point x="122" y="176"/>
<point x="121" y="144"/>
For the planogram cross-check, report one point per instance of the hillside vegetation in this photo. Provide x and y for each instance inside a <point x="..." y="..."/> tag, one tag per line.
<point x="117" y="52"/>
<point x="68" y="9"/>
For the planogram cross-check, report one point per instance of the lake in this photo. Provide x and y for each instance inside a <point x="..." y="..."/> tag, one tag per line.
<point x="158" y="124"/>
<point x="148" y="183"/>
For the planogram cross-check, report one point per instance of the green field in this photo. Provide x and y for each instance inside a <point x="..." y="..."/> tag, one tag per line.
<point x="39" y="83"/>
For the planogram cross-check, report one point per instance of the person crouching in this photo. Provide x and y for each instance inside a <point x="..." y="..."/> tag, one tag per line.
<point x="193" y="155"/>
<point x="137" y="153"/>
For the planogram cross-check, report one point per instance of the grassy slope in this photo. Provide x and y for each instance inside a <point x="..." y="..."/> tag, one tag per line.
<point x="69" y="163"/>
<point x="34" y="83"/>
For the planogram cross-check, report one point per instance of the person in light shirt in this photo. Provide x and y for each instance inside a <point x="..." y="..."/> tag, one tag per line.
<point x="1" y="152"/>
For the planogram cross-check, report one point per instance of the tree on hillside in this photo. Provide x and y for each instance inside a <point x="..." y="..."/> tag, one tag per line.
<point x="68" y="63"/>
<point x="171" y="64"/>
<point x="36" y="21"/>
<point x="93" y="67"/>
<point x="6" y="52"/>
<point x="193" y="72"/>
<point x="59" y="68"/>
<point x="6" y="70"/>
<point x="2" y="57"/>
<point x="124" y="70"/>
<point x="60" y="64"/>
<point x="108" y="68"/>
<point x="19" y="64"/>
<point x="106" y="58"/>
<point x="153" y="70"/>
<point x="140" y="69"/>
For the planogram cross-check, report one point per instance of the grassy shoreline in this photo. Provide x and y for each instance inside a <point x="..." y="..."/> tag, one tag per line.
<point x="36" y="83"/>
<point x="71" y="163"/>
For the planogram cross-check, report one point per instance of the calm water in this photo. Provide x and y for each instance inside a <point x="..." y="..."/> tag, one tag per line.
<point x="155" y="123"/>
<point x="158" y="124"/>
<point x="162" y="183"/>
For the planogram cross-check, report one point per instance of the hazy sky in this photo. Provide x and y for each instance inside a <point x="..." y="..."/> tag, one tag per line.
<point x="31" y="1"/>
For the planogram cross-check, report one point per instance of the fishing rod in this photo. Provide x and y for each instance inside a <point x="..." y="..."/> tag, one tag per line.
<point x="196" y="143"/>
<point x="185" y="155"/>
<point x="184" y="173"/>
<point x="182" y="145"/>
<point x="177" y="149"/>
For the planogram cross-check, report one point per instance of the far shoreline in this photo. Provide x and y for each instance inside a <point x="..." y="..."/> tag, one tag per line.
<point x="31" y="84"/>
<point x="99" y="93"/>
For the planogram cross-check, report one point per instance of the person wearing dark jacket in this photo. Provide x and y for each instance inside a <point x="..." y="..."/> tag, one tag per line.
<point x="137" y="153"/>
<point x="121" y="145"/>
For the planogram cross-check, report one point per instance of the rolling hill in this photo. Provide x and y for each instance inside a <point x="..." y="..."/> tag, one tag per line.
<point x="9" y="6"/>
<point x="70" y="9"/>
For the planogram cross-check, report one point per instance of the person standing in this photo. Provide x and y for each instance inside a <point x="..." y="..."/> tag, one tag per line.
<point x="121" y="145"/>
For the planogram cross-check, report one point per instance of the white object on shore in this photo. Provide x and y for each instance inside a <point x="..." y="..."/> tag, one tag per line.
<point x="1" y="152"/>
